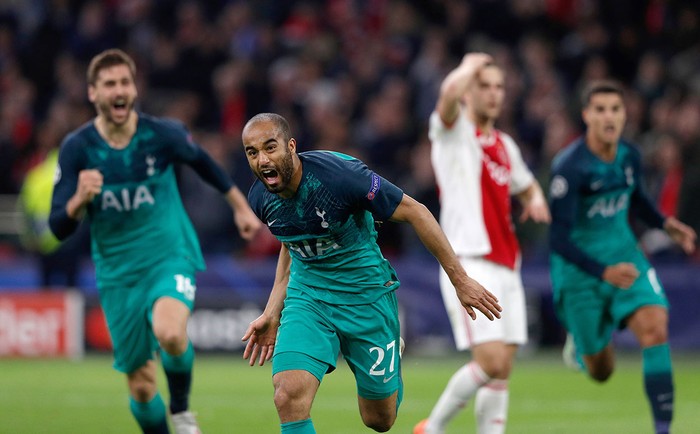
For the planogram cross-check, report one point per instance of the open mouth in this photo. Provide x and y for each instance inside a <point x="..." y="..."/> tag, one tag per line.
<point x="119" y="106"/>
<point x="610" y="129"/>
<point x="271" y="176"/>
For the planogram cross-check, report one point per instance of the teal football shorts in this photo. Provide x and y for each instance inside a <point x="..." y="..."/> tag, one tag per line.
<point x="591" y="310"/>
<point x="129" y="310"/>
<point x="312" y="334"/>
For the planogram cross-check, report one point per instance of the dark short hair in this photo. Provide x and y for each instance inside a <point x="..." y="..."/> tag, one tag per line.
<point x="600" y="86"/>
<point x="107" y="59"/>
<point x="276" y="119"/>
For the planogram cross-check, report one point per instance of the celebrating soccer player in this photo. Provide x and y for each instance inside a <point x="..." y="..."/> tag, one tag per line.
<point x="118" y="170"/>
<point x="334" y="292"/>
<point x="601" y="279"/>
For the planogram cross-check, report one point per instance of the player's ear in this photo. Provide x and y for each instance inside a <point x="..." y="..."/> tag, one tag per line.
<point x="584" y="115"/>
<point x="91" y="93"/>
<point x="292" y="145"/>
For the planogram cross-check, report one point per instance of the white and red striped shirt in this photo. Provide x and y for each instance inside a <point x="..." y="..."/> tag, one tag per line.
<point x="476" y="176"/>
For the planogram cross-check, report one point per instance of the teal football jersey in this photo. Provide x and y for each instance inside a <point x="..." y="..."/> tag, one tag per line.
<point x="138" y="220"/>
<point x="328" y="226"/>
<point x="591" y="201"/>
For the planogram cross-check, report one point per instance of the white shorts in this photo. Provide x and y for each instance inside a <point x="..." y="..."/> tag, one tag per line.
<point x="502" y="282"/>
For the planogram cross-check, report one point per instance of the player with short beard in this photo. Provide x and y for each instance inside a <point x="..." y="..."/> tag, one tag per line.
<point x="118" y="170"/>
<point x="478" y="168"/>
<point x="334" y="292"/>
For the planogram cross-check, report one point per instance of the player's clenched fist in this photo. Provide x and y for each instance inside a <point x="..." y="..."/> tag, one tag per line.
<point x="89" y="184"/>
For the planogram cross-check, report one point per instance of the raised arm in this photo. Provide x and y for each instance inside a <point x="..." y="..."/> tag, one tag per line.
<point x="262" y="332"/>
<point x="470" y="293"/>
<point x="456" y="83"/>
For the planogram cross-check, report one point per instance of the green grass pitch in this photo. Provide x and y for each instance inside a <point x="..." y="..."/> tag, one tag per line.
<point x="88" y="396"/>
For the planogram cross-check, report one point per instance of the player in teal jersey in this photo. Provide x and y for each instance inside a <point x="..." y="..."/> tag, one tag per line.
<point x="118" y="170"/>
<point x="600" y="277"/>
<point x="336" y="288"/>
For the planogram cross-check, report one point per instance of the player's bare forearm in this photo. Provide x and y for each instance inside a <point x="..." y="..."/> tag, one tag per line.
<point x="279" y="289"/>
<point x="534" y="204"/>
<point x="261" y="334"/>
<point x="681" y="233"/>
<point x="470" y="293"/>
<point x="456" y="84"/>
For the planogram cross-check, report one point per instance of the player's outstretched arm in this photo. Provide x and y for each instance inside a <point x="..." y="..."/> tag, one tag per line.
<point x="681" y="233"/>
<point x="262" y="332"/>
<point x="247" y="222"/>
<point x="534" y="204"/>
<point x="471" y="294"/>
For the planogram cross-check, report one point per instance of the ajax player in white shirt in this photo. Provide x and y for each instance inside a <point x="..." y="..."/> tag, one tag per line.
<point x="478" y="168"/>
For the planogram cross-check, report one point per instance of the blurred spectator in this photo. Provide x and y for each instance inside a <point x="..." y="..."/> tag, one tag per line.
<point x="58" y="262"/>
<point x="357" y="76"/>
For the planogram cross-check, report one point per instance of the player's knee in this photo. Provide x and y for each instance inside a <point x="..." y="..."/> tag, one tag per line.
<point x="498" y="368"/>
<point x="379" y="421"/>
<point x="172" y="341"/>
<point x="494" y="361"/>
<point x="291" y="403"/>
<point x="653" y="336"/>
<point x="142" y="391"/>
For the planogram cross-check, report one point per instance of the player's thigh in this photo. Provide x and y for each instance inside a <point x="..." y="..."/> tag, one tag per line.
<point x="306" y="339"/>
<point x="127" y="310"/>
<point x="584" y="306"/>
<point x="647" y="290"/>
<point x="379" y="412"/>
<point x="505" y="284"/>
<point x="370" y="343"/>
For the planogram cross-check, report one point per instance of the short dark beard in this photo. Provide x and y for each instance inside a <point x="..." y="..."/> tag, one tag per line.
<point x="105" y="109"/>
<point x="285" y="170"/>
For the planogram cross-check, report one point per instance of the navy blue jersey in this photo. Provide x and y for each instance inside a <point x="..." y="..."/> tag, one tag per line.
<point x="591" y="201"/>
<point x="328" y="227"/>
<point x="138" y="220"/>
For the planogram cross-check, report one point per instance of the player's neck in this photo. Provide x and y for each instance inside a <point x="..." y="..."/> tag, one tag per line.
<point x="606" y="151"/>
<point x="484" y="124"/>
<point x="293" y="186"/>
<point x="117" y="136"/>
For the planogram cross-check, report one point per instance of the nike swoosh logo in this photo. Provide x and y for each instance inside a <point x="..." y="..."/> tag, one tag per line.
<point x="271" y="223"/>
<point x="387" y="379"/>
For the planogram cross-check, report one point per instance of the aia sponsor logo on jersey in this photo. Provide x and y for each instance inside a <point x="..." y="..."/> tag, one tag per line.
<point x="608" y="206"/>
<point x="126" y="199"/>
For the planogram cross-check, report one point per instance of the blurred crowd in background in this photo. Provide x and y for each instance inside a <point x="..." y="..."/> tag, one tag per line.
<point x="360" y="77"/>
